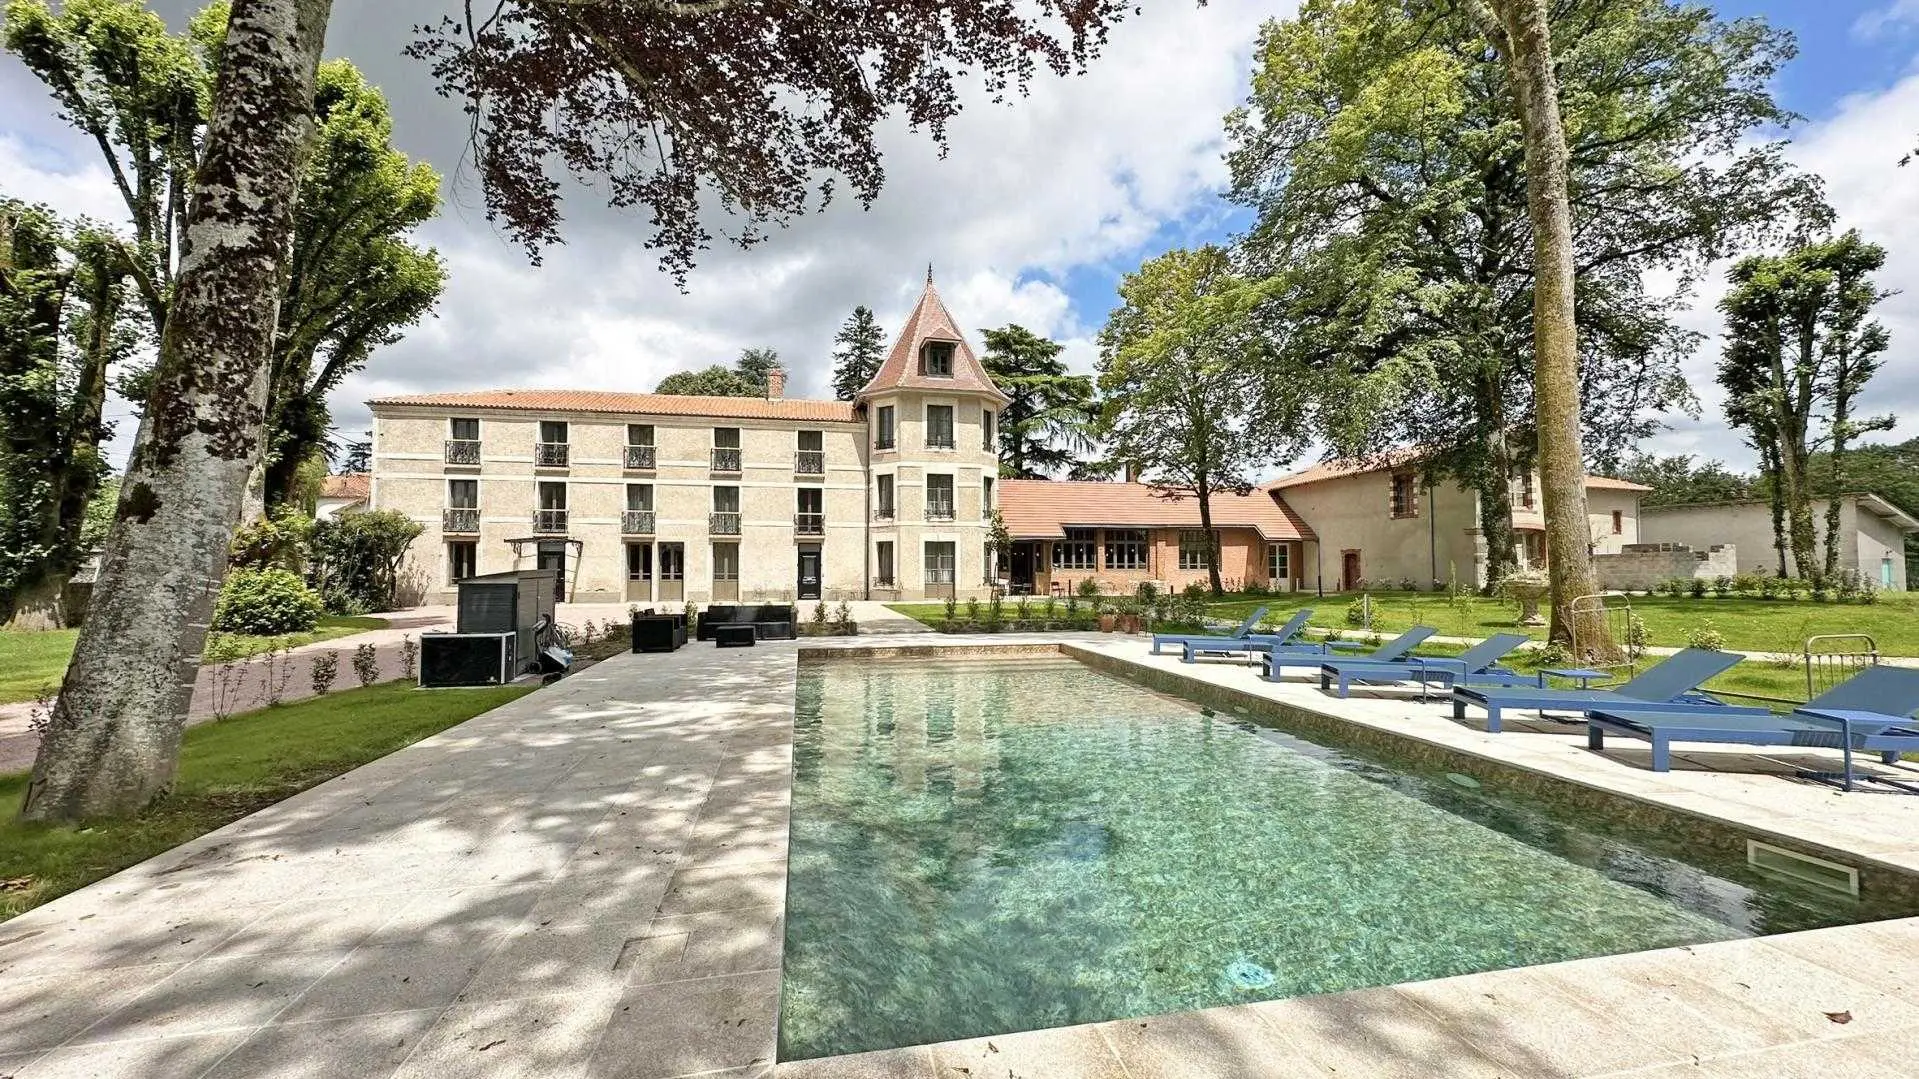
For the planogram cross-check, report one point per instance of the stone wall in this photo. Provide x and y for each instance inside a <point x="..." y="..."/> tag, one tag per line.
<point x="1640" y="566"/>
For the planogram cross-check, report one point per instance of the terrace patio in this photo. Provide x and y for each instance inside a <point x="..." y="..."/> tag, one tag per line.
<point x="591" y="881"/>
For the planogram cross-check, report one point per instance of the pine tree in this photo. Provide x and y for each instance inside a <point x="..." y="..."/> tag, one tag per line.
<point x="858" y="349"/>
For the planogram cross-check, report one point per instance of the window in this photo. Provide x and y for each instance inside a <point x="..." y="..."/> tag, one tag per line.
<point x="639" y="496"/>
<point x="1405" y="495"/>
<point x="672" y="562"/>
<point x="809" y="511"/>
<point x="1526" y="488"/>
<point x="939" y="427"/>
<point x="726" y="438"/>
<point x="1279" y="563"/>
<point x="986" y="496"/>
<point x="814" y="441"/>
<point x="462" y="560"/>
<point x="883" y="427"/>
<point x="552" y="495"/>
<point x="726" y="561"/>
<point x="463" y="494"/>
<point x="1618" y="522"/>
<point x="885" y="510"/>
<point x="553" y="431"/>
<point x="726" y="500"/>
<point x="467" y="430"/>
<point x="883" y="558"/>
<point x="936" y="359"/>
<point x="551" y="450"/>
<point x="939" y="498"/>
<point x="639" y="434"/>
<point x="639" y="562"/>
<point x="1193" y="548"/>
<point x="940" y="561"/>
<point x="1076" y="551"/>
<point x="1125" y="549"/>
<point x="986" y="440"/>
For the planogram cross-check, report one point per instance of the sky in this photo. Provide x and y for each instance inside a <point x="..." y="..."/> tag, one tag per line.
<point x="1032" y="216"/>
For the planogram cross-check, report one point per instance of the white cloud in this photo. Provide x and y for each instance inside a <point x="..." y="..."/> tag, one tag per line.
<point x="1886" y="21"/>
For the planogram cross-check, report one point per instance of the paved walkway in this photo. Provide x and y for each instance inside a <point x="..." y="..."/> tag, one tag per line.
<point x="590" y="881"/>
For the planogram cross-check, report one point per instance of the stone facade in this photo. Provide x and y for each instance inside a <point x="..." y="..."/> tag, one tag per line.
<point x="1638" y="567"/>
<point x="1872" y="535"/>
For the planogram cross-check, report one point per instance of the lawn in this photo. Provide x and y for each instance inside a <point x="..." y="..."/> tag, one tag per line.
<point x="31" y="660"/>
<point x="1749" y="625"/>
<point x="228" y="770"/>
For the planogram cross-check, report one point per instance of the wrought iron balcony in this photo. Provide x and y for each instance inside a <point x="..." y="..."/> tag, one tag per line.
<point x="636" y="523"/>
<point x="939" y="511"/>
<point x="549" y="521"/>
<point x="641" y="457"/>
<point x="463" y="451"/>
<point x="549" y="454"/>
<point x="884" y="442"/>
<point x="939" y="442"/>
<point x="723" y="524"/>
<point x="884" y="513"/>
<point x="810" y="462"/>
<point x="460" y="519"/>
<point x="809" y="524"/>
<point x="726" y="459"/>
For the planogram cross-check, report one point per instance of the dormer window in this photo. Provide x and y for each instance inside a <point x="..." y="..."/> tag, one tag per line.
<point x="936" y="359"/>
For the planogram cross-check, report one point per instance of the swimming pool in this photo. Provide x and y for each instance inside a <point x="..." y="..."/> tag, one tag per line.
<point x="981" y="847"/>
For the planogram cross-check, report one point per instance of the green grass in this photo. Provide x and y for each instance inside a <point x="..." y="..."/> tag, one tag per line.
<point x="31" y="660"/>
<point x="1749" y="625"/>
<point x="228" y="770"/>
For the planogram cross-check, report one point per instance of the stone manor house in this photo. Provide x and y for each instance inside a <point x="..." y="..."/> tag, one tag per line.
<point x="661" y="499"/>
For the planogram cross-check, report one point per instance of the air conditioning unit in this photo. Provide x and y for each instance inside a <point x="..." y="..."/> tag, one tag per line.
<point x="467" y="659"/>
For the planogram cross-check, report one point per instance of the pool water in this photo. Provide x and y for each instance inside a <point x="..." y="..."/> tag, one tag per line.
<point x="980" y="848"/>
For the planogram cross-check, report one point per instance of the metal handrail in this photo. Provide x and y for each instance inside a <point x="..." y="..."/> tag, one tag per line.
<point x="549" y="521"/>
<point x="549" y="454"/>
<point x="637" y="522"/>
<point x="463" y="451"/>
<point x="810" y="462"/>
<point x="939" y="511"/>
<point x="726" y="459"/>
<point x="809" y="524"/>
<point x="723" y="524"/>
<point x="641" y="457"/>
<point x="460" y="519"/>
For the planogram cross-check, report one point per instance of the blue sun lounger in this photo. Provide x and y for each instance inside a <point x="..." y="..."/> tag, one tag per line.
<point x="1672" y="684"/>
<point x="1279" y="659"/>
<point x="1869" y="712"/>
<point x="1476" y="665"/>
<point x="1238" y="636"/>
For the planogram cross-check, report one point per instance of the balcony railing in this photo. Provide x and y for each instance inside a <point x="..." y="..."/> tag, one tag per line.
<point x="549" y="454"/>
<point x="723" y="524"/>
<point x="884" y="513"/>
<point x="460" y="519"/>
<point x="463" y="451"/>
<point x="884" y="442"/>
<point x="939" y="442"/>
<point x="810" y="462"/>
<point x="636" y="523"/>
<point x="726" y="459"/>
<point x="939" y="511"/>
<point x="809" y="524"/>
<point x="642" y="457"/>
<point x="549" y="521"/>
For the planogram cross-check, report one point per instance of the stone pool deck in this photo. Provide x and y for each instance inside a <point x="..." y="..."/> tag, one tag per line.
<point x="590" y="881"/>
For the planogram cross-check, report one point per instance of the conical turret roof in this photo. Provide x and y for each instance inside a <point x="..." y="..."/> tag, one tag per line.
<point x="931" y="321"/>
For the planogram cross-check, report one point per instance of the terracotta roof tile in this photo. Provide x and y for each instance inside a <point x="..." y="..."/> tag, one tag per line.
<point x="930" y="321"/>
<point x="1331" y="470"/>
<point x="632" y="404"/>
<point x="1045" y="508"/>
<point x="350" y="485"/>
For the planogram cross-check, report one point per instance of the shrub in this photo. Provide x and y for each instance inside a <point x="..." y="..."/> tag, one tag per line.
<point x="366" y="664"/>
<point x="410" y="652"/>
<point x="1846" y="584"/>
<point x="1638" y="637"/>
<point x="1696" y="587"/>
<point x="952" y="608"/>
<point x="1553" y="654"/>
<point x="265" y="602"/>
<point x="1072" y="606"/>
<point x="819" y="613"/>
<point x="1022" y="611"/>
<point x="1707" y="636"/>
<point x="1088" y="587"/>
<point x="843" y="616"/>
<point x="1147" y="590"/>
<point x="1722" y="586"/>
<point x="972" y="608"/>
<point x="1359" y="611"/>
<point x="1868" y="592"/>
<point x="1747" y="584"/>
<point x="1252" y="588"/>
<point x="357" y="556"/>
<point x="1407" y="584"/>
<point x="276" y="541"/>
<point x="1769" y="587"/>
<point x="326" y="667"/>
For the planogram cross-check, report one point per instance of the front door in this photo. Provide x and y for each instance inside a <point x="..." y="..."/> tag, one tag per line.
<point x="552" y="555"/>
<point x="1349" y="574"/>
<point x="639" y="573"/>
<point x="1019" y="570"/>
<point x="809" y="573"/>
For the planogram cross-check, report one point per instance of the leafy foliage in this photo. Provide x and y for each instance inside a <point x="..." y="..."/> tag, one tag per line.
<point x="859" y="348"/>
<point x="357" y="557"/>
<point x="265" y="602"/>
<point x="1051" y="418"/>
<point x="279" y="539"/>
<point x="746" y="378"/>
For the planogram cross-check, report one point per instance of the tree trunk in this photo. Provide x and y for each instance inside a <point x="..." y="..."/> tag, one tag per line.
<point x="1769" y="466"/>
<point x="1495" y="486"/>
<point x="38" y="606"/>
<point x="1562" y="469"/>
<point x="1212" y="548"/>
<point x="114" y="737"/>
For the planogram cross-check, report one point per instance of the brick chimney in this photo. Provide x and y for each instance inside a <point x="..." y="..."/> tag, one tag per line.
<point x="775" y="383"/>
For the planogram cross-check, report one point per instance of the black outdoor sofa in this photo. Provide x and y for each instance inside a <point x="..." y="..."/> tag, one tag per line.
<point x="658" y="632"/>
<point x="770" y="622"/>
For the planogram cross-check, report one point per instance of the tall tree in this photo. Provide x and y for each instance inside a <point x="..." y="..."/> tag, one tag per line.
<point x="353" y="283"/>
<point x="1680" y="480"/>
<point x="62" y="300"/>
<point x="858" y="350"/>
<point x="587" y="86"/>
<point x="1800" y="345"/>
<point x="1049" y="423"/>
<point x="1382" y="153"/>
<point x="1187" y="395"/>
